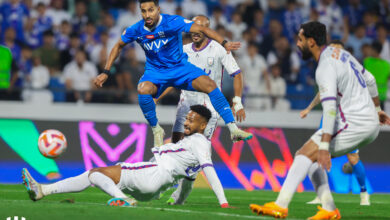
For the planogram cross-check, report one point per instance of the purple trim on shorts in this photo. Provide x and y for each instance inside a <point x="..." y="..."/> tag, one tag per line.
<point x="139" y="167"/>
<point x="328" y="98"/>
<point x="195" y="50"/>
<point x="206" y="165"/>
<point x="235" y="73"/>
<point x="169" y="151"/>
<point x="339" y="131"/>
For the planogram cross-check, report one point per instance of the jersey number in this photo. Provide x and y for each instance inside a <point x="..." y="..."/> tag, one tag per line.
<point x="358" y="75"/>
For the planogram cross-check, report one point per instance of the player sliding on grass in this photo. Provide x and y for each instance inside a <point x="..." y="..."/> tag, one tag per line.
<point x="350" y="121"/>
<point x="160" y="35"/>
<point x="145" y="180"/>
<point x="354" y="164"/>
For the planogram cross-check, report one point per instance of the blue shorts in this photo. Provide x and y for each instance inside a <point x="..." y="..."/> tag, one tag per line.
<point x="180" y="76"/>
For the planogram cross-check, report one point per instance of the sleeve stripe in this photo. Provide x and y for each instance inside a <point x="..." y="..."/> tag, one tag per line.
<point x="235" y="73"/>
<point x="328" y="99"/>
<point x="206" y="165"/>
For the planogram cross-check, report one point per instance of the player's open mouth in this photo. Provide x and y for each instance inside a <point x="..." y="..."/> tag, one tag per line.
<point x="149" y="21"/>
<point x="187" y="130"/>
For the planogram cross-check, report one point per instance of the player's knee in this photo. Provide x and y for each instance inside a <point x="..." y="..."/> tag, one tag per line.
<point x="145" y="89"/>
<point x="353" y="158"/>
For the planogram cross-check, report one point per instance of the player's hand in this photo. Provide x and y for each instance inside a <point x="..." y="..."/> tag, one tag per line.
<point x="240" y="114"/>
<point x="324" y="159"/>
<point x="171" y="201"/>
<point x="227" y="206"/>
<point x="100" y="79"/>
<point x="304" y="113"/>
<point x="384" y="119"/>
<point x="155" y="101"/>
<point x="229" y="46"/>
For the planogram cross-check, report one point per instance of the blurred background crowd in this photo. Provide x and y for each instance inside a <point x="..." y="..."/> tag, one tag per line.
<point x="52" y="49"/>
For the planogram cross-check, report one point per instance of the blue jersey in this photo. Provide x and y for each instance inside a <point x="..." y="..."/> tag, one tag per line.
<point x="163" y="44"/>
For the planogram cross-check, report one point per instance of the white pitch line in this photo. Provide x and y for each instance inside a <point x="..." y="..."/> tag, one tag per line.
<point x="171" y="210"/>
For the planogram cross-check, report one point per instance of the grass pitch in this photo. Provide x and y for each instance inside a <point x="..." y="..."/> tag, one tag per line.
<point x="201" y="204"/>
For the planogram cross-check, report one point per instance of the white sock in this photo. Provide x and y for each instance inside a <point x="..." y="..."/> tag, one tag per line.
<point x="295" y="176"/>
<point x="319" y="178"/>
<point x="73" y="184"/>
<point x="232" y="126"/>
<point x="155" y="127"/>
<point x="106" y="184"/>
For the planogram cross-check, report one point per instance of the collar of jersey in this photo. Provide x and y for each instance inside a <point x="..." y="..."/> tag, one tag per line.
<point x="196" y="50"/>
<point x="159" y="22"/>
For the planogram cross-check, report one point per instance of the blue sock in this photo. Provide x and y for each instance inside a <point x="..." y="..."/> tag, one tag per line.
<point x="148" y="108"/>
<point x="221" y="105"/>
<point x="360" y="174"/>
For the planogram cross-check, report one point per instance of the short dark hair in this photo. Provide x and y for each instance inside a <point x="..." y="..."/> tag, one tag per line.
<point x="202" y="110"/>
<point x="339" y="42"/>
<point x="377" y="46"/>
<point x="143" y="1"/>
<point x="315" y="30"/>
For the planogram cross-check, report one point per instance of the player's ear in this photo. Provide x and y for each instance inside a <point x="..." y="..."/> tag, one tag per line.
<point x="203" y="125"/>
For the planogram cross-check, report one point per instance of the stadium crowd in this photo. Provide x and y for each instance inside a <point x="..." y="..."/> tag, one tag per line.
<point x="52" y="49"/>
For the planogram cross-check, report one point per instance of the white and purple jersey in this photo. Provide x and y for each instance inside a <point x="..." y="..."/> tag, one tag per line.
<point x="186" y="157"/>
<point x="212" y="59"/>
<point x="341" y="77"/>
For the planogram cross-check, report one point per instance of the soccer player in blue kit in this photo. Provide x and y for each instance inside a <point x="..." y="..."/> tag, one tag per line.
<point x="166" y="65"/>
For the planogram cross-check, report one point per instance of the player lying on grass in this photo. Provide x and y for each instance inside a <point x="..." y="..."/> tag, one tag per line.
<point x="145" y="180"/>
<point x="350" y="121"/>
<point x="354" y="164"/>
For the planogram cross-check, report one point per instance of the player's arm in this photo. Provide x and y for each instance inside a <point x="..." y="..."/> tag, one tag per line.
<point x="384" y="119"/>
<point x="215" y="36"/>
<point x="215" y="184"/>
<point x="115" y="51"/>
<point x="165" y="93"/>
<point x="238" y="108"/>
<point x="312" y="104"/>
<point x="182" y="192"/>
<point x="201" y="149"/>
<point x="231" y="66"/>
<point x="327" y="82"/>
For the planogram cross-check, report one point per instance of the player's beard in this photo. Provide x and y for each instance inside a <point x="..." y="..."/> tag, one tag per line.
<point x="305" y="53"/>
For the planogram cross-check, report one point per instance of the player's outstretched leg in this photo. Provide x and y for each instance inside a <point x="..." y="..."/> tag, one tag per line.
<point x="360" y="173"/>
<point x="319" y="179"/>
<point x="295" y="176"/>
<point x="34" y="189"/>
<point x="221" y="105"/>
<point x="37" y="191"/>
<point x="106" y="179"/>
<point x="148" y="107"/>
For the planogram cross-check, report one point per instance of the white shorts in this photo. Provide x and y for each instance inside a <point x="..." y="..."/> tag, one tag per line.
<point x="349" y="138"/>
<point x="144" y="181"/>
<point x="182" y="110"/>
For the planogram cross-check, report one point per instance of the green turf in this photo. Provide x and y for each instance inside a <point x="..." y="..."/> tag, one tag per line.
<point x="202" y="204"/>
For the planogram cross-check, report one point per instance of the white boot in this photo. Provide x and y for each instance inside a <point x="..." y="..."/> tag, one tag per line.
<point x="33" y="187"/>
<point x="158" y="133"/>
<point x="365" y="198"/>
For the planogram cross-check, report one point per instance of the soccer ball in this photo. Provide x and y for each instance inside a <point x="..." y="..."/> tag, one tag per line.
<point x="52" y="143"/>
